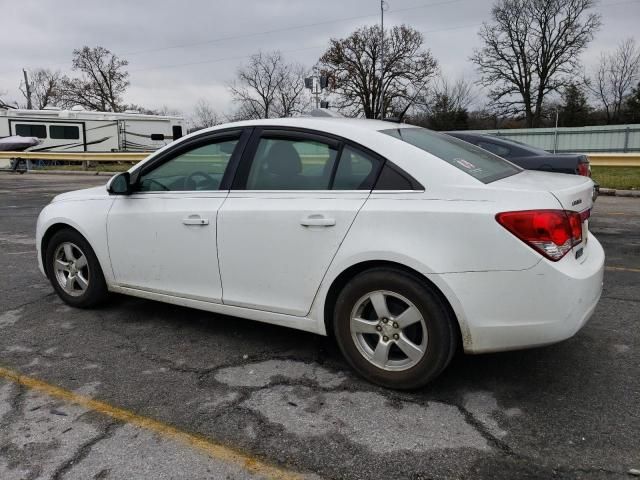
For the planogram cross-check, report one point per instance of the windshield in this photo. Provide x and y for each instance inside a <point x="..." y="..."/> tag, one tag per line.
<point x="478" y="163"/>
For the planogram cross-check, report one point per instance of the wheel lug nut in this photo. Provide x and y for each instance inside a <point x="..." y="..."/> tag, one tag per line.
<point x="396" y="336"/>
<point x="385" y="320"/>
<point x="385" y="338"/>
<point x="379" y="328"/>
<point x="395" y="325"/>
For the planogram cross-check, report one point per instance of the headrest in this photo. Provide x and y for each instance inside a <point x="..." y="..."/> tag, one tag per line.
<point x="283" y="159"/>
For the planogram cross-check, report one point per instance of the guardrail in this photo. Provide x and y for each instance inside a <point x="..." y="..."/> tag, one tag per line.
<point x="614" y="159"/>
<point x="596" y="159"/>
<point x="78" y="156"/>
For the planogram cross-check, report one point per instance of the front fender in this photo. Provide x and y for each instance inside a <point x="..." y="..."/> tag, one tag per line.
<point x="89" y="217"/>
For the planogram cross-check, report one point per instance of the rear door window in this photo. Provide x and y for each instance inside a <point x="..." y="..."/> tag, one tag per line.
<point x="356" y="170"/>
<point x="291" y="164"/>
<point x="480" y="164"/>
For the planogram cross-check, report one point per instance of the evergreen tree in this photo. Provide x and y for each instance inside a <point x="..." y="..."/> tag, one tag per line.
<point x="575" y="110"/>
<point x="632" y="106"/>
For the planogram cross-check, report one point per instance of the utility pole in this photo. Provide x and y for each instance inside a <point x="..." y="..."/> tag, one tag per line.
<point x="317" y="83"/>
<point x="27" y="89"/>
<point x="381" y="105"/>
<point x="555" y="135"/>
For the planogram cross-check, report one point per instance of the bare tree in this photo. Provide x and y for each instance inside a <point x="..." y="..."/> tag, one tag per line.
<point x="268" y="87"/>
<point x="168" y="111"/>
<point x="3" y="104"/>
<point x="290" y="95"/>
<point x="103" y="80"/>
<point x="530" y="49"/>
<point x="446" y="105"/>
<point x="615" y="77"/>
<point x="460" y="93"/>
<point x="204" y="115"/>
<point x="353" y="65"/>
<point x="44" y="88"/>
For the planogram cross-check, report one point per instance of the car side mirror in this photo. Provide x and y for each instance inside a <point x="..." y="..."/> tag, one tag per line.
<point x="120" y="184"/>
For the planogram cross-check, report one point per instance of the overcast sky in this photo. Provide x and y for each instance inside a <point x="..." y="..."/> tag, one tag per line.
<point x="183" y="50"/>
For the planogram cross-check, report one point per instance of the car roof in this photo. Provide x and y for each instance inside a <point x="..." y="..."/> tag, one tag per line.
<point x="316" y="123"/>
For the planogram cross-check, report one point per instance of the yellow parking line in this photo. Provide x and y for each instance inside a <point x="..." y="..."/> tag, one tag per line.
<point x="212" y="448"/>
<point x="623" y="269"/>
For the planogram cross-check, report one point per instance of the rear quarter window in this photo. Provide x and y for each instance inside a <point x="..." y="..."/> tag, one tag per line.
<point x="480" y="164"/>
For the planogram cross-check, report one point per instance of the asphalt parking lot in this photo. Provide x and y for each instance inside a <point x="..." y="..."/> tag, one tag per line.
<point x="139" y="389"/>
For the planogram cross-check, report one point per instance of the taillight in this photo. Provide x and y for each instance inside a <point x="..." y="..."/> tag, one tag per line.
<point x="584" y="169"/>
<point x="550" y="232"/>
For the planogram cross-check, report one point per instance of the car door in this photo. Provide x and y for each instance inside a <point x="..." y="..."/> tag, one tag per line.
<point x="294" y="198"/>
<point x="162" y="237"/>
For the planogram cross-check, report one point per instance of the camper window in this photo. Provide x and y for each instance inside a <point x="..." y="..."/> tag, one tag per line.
<point x="31" y="130"/>
<point x="64" y="132"/>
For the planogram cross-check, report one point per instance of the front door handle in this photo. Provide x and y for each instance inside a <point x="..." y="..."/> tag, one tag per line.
<point x="317" y="221"/>
<point x="195" y="220"/>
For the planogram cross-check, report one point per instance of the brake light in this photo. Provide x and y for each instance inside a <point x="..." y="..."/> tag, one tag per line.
<point x="584" y="169"/>
<point x="551" y="232"/>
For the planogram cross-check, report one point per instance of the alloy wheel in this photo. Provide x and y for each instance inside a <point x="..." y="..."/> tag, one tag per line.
<point x="388" y="330"/>
<point x="71" y="269"/>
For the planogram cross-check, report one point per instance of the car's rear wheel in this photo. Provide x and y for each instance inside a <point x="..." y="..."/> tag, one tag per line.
<point x="74" y="270"/>
<point x="393" y="328"/>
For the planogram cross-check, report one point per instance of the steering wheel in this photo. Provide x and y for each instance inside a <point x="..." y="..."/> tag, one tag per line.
<point x="190" y="182"/>
<point x="155" y="182"/>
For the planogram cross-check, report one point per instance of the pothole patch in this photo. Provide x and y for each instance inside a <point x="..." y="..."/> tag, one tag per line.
<point x="364" y="418"/>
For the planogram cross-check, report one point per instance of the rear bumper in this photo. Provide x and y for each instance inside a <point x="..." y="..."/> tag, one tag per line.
<point x="521" y="309"/>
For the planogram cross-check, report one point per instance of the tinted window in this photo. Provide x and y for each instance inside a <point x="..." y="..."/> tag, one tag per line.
<point x="31" y="130"/>
<point x="478" y="163"/>
<point x="493" y="148"/>
<point x="290" y="164"/>
<point x="201" y="168"/>
<point x="177" y="131"/>
<point x="66" y="132"/>
<point x="356" y="170"/>
<point x="391" y="179"/>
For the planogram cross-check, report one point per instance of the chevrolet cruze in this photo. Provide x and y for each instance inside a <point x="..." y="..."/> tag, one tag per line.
<point x="402" y="243"/>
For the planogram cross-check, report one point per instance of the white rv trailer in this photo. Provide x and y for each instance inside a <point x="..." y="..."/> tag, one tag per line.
<point x="79" y="130"/>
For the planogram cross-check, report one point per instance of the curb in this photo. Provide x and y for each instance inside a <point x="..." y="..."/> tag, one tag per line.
<point x="619" y="193"/>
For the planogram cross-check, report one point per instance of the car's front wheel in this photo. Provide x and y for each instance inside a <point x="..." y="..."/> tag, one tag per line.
<point x="393" y="328"/>
<point x="74" y="270"/>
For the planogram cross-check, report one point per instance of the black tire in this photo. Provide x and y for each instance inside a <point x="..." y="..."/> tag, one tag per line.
<point x="96" y="290"/>
<point x="441" y="337"/>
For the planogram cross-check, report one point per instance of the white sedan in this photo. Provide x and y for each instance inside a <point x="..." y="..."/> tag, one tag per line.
<point x="402" y="243"/>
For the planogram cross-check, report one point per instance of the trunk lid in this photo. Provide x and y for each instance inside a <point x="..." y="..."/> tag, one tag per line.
<point x="573" y="193"/>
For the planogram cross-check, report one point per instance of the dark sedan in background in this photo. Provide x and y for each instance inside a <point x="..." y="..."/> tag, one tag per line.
<point x="528" y="157"/>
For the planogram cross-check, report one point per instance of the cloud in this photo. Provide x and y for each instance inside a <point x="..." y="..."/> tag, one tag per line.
<point x="43" y="33"/>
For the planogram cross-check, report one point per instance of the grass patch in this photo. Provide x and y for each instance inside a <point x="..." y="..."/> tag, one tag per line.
<point x="621" y="178"/>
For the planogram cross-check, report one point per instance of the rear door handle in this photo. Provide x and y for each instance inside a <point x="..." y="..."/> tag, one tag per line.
<point x="317" y="220"/>
<point x="195" y="220"/>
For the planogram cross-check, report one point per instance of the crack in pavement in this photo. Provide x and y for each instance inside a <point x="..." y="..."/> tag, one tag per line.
<point x="16" y="405"/>
<point x="29" y="303"/>
<point x="84" y="450"/>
